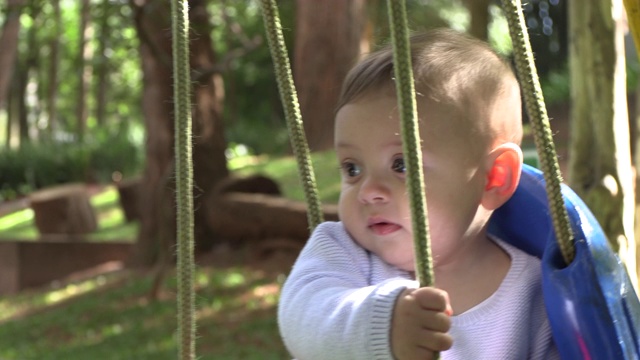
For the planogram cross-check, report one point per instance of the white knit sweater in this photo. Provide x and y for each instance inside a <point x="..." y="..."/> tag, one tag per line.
<point x="338" y="301"/>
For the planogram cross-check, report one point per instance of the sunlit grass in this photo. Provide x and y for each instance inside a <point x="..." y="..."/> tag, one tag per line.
<point x="29" y="301"/>
<point x="235" y="310"/>
<point x="17" y="218"/>
<point x="284" y="170"/>
<point x="112" y="224"/>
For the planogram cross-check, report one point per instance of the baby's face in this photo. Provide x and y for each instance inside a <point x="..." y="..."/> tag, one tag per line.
<point x="374" y="205"/>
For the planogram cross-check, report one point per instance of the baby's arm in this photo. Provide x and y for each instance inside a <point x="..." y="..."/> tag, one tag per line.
<point x="329" y="310"/>
<point x="421" y="319"/>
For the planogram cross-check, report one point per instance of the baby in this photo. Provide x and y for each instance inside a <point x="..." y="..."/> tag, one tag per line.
<point x="352" y="292"/>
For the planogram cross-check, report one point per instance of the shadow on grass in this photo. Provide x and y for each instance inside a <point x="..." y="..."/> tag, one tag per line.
<point x="236" y="315"/>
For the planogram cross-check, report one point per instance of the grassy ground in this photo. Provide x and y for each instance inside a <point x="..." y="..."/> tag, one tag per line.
<point x="111" y="316"/>
<point x="284" y="170"/>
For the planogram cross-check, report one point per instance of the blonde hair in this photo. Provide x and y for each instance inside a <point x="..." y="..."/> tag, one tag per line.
<point x="451" y="69"/>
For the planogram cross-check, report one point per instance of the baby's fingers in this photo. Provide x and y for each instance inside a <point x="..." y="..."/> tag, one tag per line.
<point x="434" y="321"/>
<point x="432" y="299"/>
<point x="435" y="340"/>
<point x="423" y="344"/>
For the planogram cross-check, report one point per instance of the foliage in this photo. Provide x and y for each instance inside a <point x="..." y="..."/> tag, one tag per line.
<point x="252" y="104"/>
<point x="37" y="165"/>
<point x="120" y="57"/>
<point x="110" y="317"/>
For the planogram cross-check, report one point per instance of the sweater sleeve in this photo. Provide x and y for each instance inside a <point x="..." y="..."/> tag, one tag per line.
<point x="330" y="308"/>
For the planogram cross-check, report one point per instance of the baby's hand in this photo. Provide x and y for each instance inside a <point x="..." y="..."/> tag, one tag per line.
<point x="421" y="319"/>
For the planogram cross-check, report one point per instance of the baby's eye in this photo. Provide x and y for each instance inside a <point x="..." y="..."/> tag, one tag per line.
<point x="351" y="169"/>
<point x="398" y="165"/>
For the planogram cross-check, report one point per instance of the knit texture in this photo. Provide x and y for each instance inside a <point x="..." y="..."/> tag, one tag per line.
<point x="338" y="301"/>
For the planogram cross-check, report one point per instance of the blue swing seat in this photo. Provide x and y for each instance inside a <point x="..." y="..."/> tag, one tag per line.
<point x="593" y="309"/>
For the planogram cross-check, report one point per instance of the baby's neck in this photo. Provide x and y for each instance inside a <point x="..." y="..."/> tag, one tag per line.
<point x="475" y="276"/>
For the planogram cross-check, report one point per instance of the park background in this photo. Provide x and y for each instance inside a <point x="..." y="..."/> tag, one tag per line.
<point x="87" y="211"/>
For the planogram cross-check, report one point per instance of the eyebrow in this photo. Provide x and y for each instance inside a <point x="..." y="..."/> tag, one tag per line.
<point x="389" y="144"/>
<point x="343" y="145"/>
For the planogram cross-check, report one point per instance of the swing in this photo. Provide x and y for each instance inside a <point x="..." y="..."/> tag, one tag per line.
<point x="592" y="307"/>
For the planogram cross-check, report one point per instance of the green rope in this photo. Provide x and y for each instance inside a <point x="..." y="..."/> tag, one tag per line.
<point x="411" y="140"/>
<point x="184" y="178"/>
<point x="405" y="92"/>
<point x="289" y="99"/>
<point x="534" y="102"/>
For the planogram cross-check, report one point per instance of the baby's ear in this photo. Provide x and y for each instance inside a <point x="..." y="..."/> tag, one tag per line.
<point x="503" y="167"/>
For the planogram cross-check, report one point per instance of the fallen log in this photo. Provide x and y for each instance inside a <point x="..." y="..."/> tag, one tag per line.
<point x="251" y="216"/>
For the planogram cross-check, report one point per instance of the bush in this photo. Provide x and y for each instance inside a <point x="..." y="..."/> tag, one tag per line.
<point x="38" y="165"/>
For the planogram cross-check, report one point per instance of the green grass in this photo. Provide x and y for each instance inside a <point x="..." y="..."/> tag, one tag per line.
<point x="110" y="316"/>
<point x="284" y="171"/>
<point x="111" y="222"/>
<point x="236" y="319"/>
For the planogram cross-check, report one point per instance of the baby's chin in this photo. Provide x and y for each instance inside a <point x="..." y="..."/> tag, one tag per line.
<point x="406" y="265"/>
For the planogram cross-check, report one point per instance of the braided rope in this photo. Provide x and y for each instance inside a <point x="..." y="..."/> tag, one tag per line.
<point x="289" y="99"/>
<point x="534" y="102"/>
<point x="411" y="140"/>
<point x="184" y="179"/>
<point x="405" y="92"/>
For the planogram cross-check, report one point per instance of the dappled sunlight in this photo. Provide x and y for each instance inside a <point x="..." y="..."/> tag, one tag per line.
<point x="235" y="312"/>
<point x="13" y="306"/>
<point x="18" y="218"/>
<point x="106" y="197"/>
<point x="73" y="290"/>
<point x="18" y="225"/>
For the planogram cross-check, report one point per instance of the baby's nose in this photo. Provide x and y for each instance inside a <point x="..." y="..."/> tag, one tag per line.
<point x="374" y="190"/>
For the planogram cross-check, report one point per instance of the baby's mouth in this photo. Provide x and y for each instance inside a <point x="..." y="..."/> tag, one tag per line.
<point x="382" y="227"/>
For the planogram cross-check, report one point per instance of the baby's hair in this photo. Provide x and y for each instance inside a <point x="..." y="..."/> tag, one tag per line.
<point x="450" y="68"/>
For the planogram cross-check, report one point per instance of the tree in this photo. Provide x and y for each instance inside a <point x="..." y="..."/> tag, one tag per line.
<point x="479" y="11"/>
<point x="600" y="157"/>
<point x="84" y="71"/>
<point x="157" y="222"/>
<point x="102" y="62"/>
<point x="54" y="64"/>
<point x="9" y="44"/>
<point x="326" y="46"/>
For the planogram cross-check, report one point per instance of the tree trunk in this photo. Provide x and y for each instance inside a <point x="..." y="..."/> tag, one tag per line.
<point x="152" y="23"/>
<point x="600" y="157"/>
<point x="157" y="205"/>
<point x="84" y="72"/>
<point x="22" y="77"/>
<point x="327" y="44"/>
<point x="52" y="91"/>
<point x="102" y="67"/>
<point x="210" y="162"/>
<point x="479" y="11"/>
<point x="28" y="74"/>
<point x="9" y="46"/>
